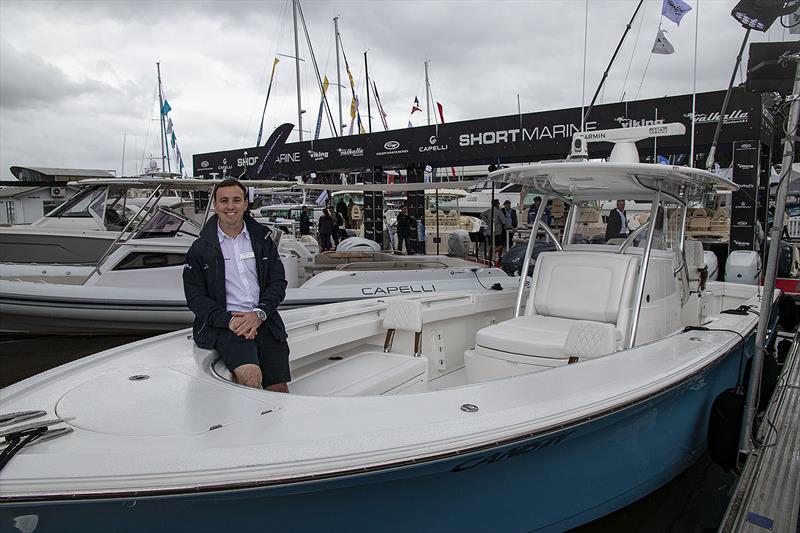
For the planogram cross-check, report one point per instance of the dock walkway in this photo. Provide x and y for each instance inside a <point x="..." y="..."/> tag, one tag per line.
<point x="767" y="497"/>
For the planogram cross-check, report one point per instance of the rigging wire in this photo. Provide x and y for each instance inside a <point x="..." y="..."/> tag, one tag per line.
<point x="149" y="125"/>
<point x="633" y="52"/>
<point x="316" y="68"/>
<point x="649" y="57"/>
<point x="263" y="81"/>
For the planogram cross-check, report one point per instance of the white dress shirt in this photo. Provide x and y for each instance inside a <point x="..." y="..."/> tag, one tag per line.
<point x="241" y="280"/>
<point x="623" y="228"/>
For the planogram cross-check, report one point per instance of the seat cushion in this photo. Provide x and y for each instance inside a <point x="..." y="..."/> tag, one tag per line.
<point x="542" y="336"/>
<point x="587" y="340"/>
<point x="364" y="374"/>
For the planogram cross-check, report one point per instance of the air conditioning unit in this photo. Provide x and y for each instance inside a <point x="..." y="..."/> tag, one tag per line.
<point x="58" y="192"/>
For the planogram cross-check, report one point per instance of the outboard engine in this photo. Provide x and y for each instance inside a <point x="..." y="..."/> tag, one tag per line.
<point x="743" y="267"/>
<point x="712" y="264"/>
<point x="512" y="260"/>
<point x="352" y="244"/>
<point x="458" y="243"/>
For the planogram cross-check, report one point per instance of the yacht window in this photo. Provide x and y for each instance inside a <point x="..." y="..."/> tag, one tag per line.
<point x="162" y="224"/>
<point x="78" y="206"/>
<point x="136" y="260"/>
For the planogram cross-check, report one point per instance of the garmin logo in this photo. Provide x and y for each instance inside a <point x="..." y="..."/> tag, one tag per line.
<point x="350" y="152"/>
<point x="397" y="289"/>
<point x="391" y="145"/>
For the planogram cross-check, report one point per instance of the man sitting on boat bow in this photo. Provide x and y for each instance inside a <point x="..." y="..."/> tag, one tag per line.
<point x="234" y="282"/>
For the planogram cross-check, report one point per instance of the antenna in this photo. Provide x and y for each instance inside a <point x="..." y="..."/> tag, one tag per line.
<point x="624" y="140"/>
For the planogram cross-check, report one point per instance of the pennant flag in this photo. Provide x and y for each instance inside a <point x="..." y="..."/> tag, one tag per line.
<point x="409" y="124"/>
<point x="441" y="116"/>
<point x="173" y="139"/>
<point x="169" y="126"/>
<point x="674" y="10"/>
<point x="662" y="45"/>
<point x="416" y="107"/>
<point x="165" y="108"/>
<point x="381" y="112"/>
<point x="325" y="84"/>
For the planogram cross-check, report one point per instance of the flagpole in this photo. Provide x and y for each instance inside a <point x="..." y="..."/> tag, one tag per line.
<point x="713" y="151"/>
<point x="610" y="63"/>
<point x="427" y="93"/>
<point x="297" y="72"/>
<point x="340" y="126"/>
<point x="164" y="156"/>
<point x="694" y="83"/>
<point x="585" y="43"/>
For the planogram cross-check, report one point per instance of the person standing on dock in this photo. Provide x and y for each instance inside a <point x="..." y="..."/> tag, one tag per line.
<point x="617" y="225"/>
<point x="305" y="222"/>
<point x="405" y="225"/>
<point x="234" y="282"/>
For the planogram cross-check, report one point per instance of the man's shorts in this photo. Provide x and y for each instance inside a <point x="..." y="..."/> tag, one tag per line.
<point x="271" y="355"/>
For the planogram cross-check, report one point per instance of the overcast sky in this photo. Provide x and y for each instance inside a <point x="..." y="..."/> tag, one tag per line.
<point x="77" y="78"/>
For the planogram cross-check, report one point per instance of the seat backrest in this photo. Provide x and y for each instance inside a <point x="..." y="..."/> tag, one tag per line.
<point x="596" y="286"/>
<point x="694" y="261"/>
<point x="403" y="315"/>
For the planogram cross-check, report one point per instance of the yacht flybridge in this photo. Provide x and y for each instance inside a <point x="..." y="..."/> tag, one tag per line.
<point x="468" y="411"/>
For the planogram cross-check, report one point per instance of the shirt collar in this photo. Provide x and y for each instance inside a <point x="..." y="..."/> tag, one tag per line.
<point x="221" y="235"/>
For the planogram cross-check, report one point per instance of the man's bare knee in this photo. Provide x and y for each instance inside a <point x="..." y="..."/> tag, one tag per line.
<point x="248" y="375"/>
<point x="278" y="387"/>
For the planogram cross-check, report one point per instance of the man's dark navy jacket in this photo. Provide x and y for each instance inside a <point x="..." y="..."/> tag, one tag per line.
<point x="204" y="282"/>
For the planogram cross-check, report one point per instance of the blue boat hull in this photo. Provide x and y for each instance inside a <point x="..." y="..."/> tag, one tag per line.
<point x="547" y="482"/>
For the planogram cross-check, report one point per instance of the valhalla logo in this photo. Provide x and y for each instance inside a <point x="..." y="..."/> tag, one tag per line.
<point x="736" y="116"/>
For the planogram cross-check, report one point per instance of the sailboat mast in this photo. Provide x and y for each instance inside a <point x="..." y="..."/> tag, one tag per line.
<point x="340" y="125"/>
<point x="163" y="124"/>
<point x="427" y="93"/>
<point x="369" y="111"/>
<point x="297" y="71"/>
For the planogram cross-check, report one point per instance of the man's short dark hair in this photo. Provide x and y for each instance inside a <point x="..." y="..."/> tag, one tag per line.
<point x="229" y="182"/>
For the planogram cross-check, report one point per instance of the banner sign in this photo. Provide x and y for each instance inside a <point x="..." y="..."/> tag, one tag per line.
<point x="507" y="139"/>
<point x="743" y="201"/>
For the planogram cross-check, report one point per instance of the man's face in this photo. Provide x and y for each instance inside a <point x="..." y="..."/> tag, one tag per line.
<point x="230" y="204"/>
<point x="404" y="209"/>
<point x="621" y="205"/>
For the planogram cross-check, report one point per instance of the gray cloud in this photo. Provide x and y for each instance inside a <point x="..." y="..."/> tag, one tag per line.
<point x="77" y="77"/>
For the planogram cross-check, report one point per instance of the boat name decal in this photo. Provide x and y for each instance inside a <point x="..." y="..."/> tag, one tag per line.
<point x="398" y="289"/>
<point x="510" y="453"/>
